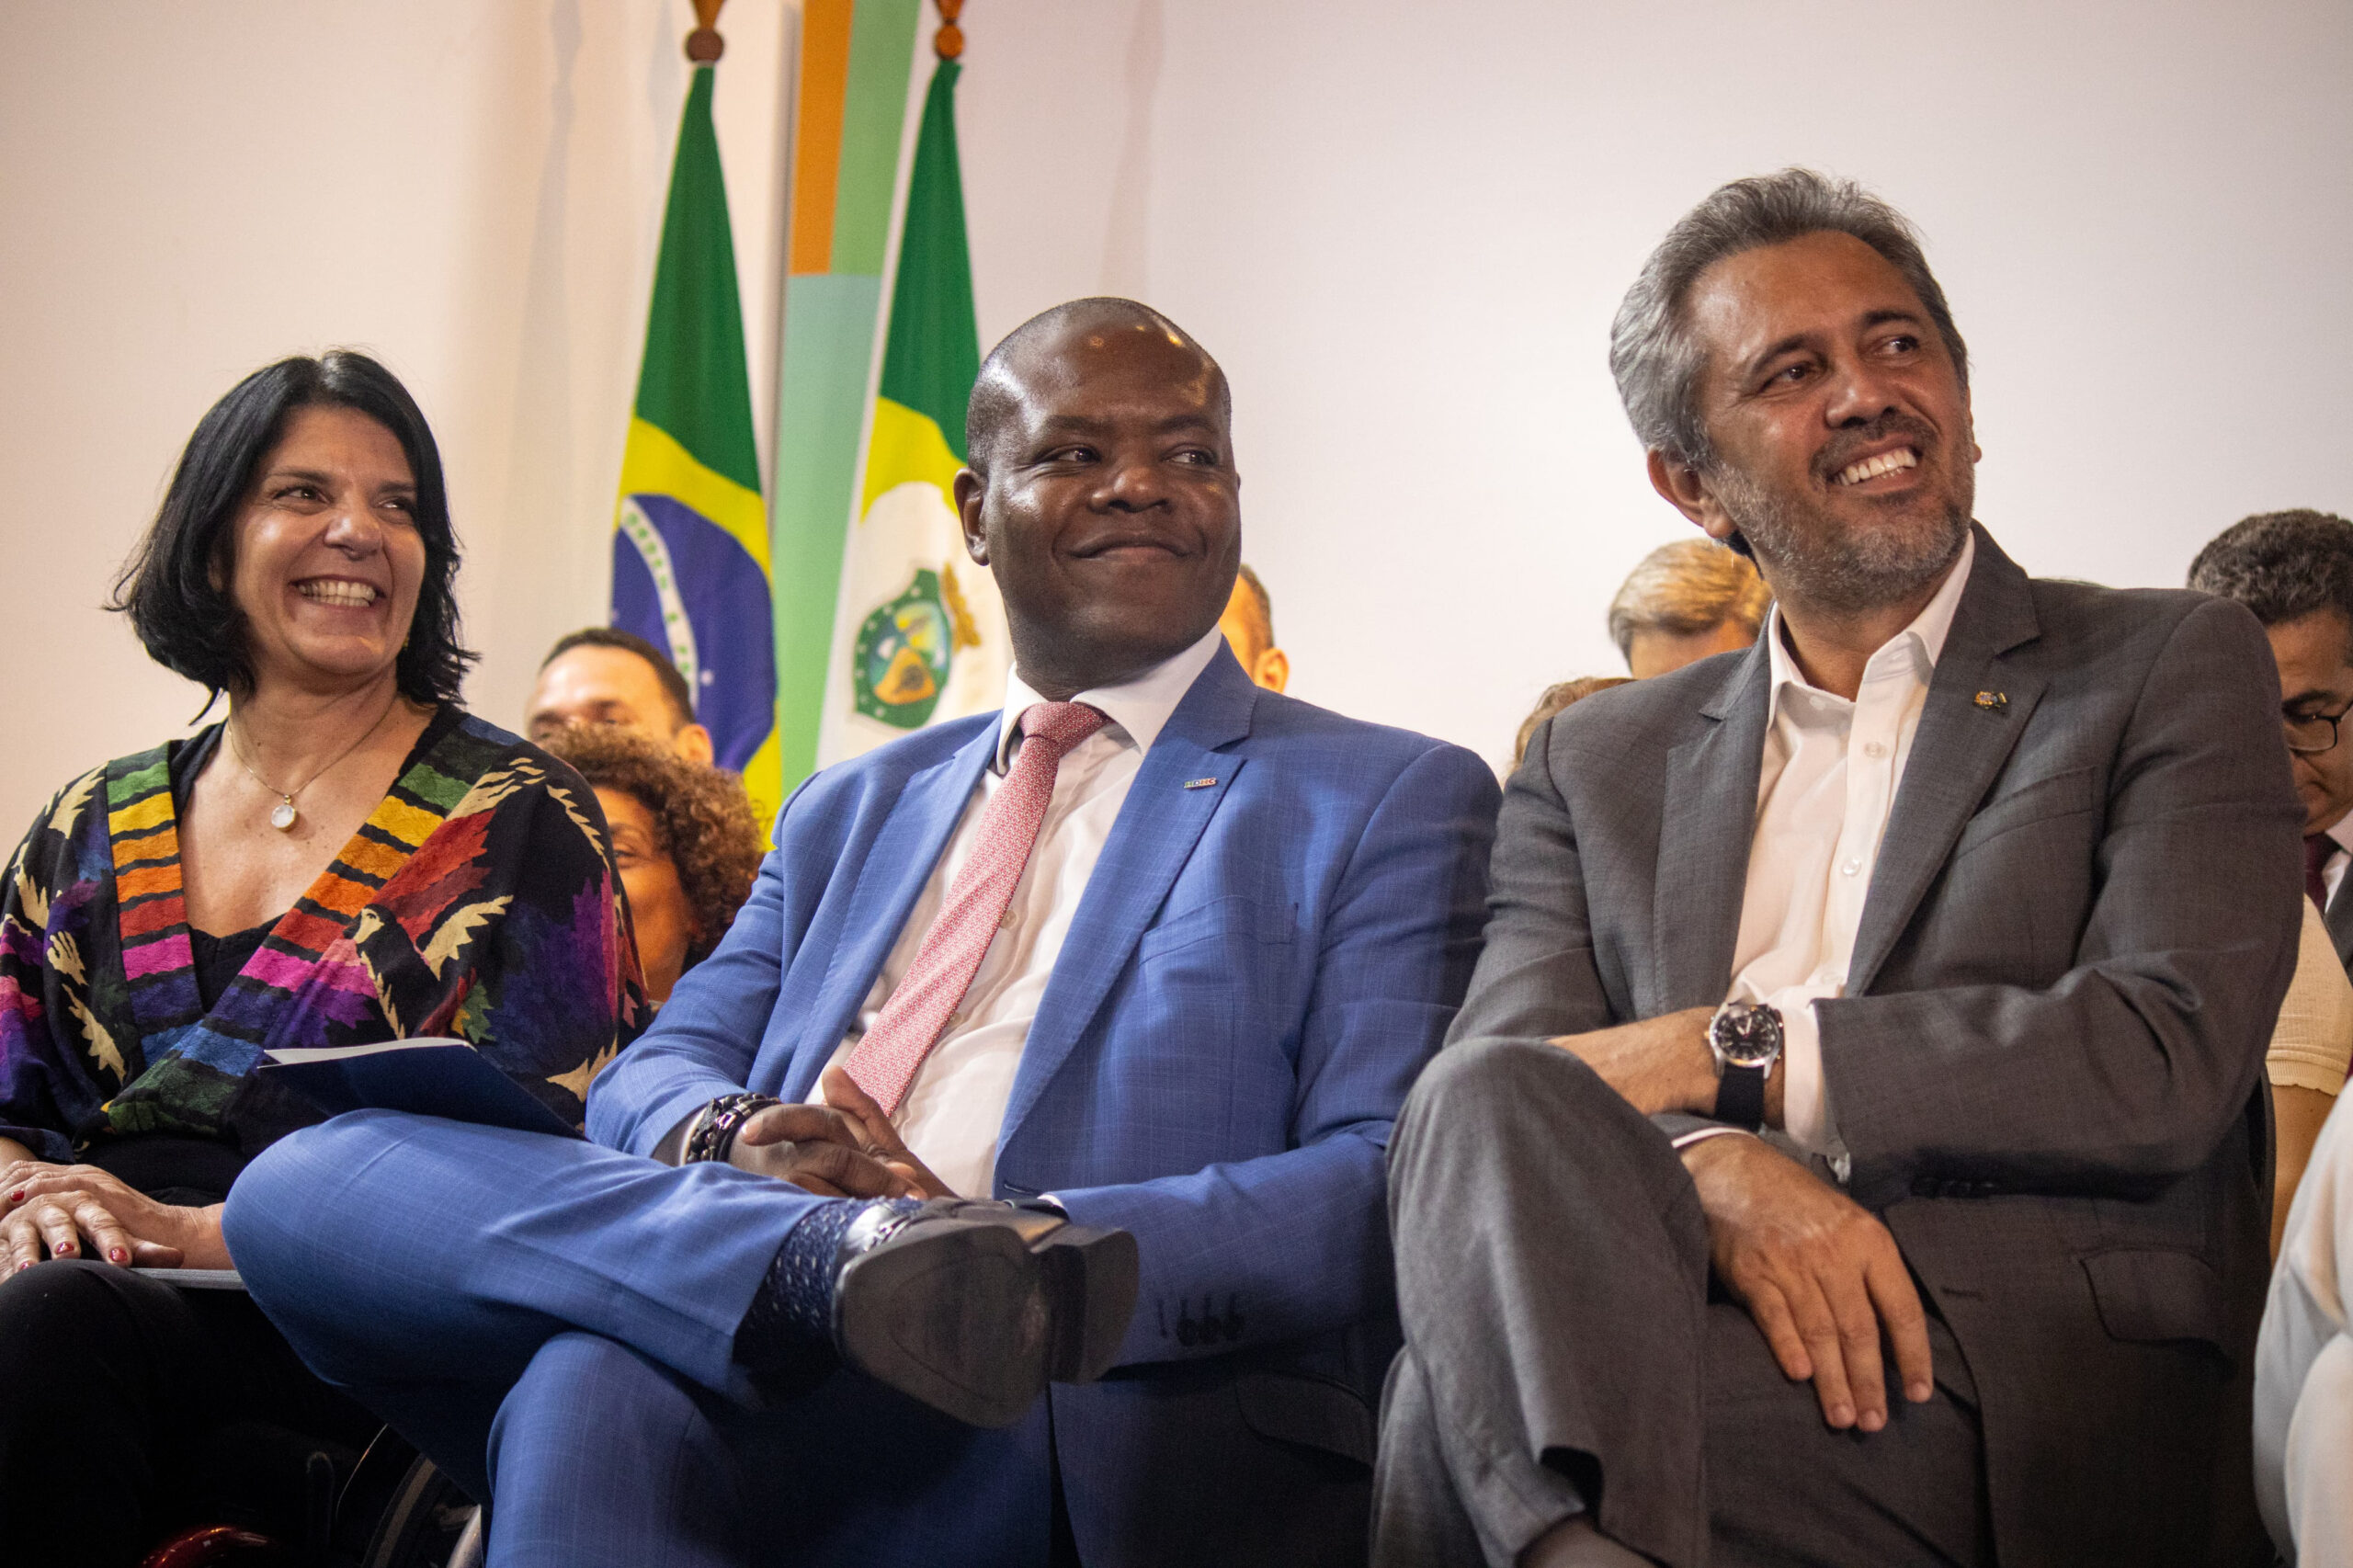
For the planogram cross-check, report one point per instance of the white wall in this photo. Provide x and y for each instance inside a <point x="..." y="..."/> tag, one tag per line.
<point x="472" y="192"/>
<point x="1403" y="227"/>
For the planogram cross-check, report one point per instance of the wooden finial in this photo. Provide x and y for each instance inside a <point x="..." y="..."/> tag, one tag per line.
<point x="948" y="42"/>
<point x="704" y="45"/>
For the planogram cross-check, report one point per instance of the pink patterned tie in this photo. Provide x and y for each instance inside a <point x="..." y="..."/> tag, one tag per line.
<point x="884" y="1062"/>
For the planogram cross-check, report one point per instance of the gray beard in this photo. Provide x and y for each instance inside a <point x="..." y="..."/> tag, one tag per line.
<point x="1806" y="558"/>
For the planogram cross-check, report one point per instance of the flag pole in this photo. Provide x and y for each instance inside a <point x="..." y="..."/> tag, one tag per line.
<point x="948" y="42"/>
<point x="704" y="46"/>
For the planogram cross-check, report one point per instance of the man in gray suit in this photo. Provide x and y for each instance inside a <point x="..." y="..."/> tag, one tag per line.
<point x="1974" y="893"/>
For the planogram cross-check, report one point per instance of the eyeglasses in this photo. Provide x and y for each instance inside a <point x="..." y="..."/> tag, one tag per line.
<point x="2311" y="734"/>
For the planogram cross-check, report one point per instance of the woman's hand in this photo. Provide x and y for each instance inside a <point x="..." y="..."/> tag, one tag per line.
<point x="81" y="1211"/>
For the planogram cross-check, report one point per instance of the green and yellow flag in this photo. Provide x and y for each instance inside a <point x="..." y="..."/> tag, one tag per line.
<point x="919" y="633"/>
<point x="690" y="542"/>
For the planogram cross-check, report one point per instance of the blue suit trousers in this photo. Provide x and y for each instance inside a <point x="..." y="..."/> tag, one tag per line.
<point x="548" y="1318"/>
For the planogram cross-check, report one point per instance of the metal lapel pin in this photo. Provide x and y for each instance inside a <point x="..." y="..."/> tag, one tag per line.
<point x="1199" y="783"/>
<point x="1993" y="701"/>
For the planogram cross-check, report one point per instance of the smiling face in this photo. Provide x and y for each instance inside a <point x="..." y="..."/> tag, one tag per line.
<point x="1106" y="501"/>
<point x="1843" y="451"/>
<point x="324" y="561"/>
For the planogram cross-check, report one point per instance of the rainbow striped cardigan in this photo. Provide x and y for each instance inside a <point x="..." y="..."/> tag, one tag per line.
<point x="479" y="899"/>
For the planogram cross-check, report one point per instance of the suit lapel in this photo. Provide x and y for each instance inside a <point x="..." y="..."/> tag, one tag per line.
<point x="1709" y="816"/>
<point x="898" y="864"/>
<point x="1960" y="746"/>
<point x="1162" y="818"/>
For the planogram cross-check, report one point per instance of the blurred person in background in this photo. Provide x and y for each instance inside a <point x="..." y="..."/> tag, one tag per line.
<point x="601" y="676"/>
<point x="684" y="837"/>
<point x="1557" y="696"/>
<point x="1249" y="627"/>
<point x="2294" y="570"/>
<point x="348" y="857"/>
<point x="1686" y="601"/>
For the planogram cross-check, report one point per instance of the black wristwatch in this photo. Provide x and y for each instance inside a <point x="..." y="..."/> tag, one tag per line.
<point x="1747" y="1040"/>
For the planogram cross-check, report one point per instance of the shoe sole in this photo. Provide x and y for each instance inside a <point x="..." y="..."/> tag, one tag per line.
<point x="1094" y="1276"/>
<point x="971" y="1322"/>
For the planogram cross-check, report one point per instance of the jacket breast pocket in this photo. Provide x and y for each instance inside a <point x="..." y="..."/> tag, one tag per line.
<point x="2072" y="792"/>
<point x="1234" y="924"/>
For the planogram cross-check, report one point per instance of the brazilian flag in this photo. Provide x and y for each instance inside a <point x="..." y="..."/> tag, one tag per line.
<point x="690" y="542"/>
<point x="925" y="630"/>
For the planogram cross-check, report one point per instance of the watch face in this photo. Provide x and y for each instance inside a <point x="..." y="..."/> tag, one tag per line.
<point x="1746" y="1034"/>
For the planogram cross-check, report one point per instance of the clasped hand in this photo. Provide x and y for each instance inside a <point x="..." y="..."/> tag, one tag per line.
<point x="1821" y="1276"/>
<point x="845" y="1147"/>
<point x="48" y="1210"/>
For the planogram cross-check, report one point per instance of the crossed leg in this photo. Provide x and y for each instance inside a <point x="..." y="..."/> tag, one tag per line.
<point x="423" y="1264"/>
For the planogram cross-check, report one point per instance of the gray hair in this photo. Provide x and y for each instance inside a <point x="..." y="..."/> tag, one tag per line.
<point x="1652" y="355"/>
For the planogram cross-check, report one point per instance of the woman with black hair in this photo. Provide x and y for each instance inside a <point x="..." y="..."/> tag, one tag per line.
<point x="347" y="857"/>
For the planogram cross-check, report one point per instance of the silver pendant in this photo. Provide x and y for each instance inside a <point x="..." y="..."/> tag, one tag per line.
<point x="282" y="815"/>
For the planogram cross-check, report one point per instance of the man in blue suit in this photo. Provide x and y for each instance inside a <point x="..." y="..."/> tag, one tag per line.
<point x="1155" y="954"/>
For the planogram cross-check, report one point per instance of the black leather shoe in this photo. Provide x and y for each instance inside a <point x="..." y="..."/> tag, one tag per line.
<point x="972" y="1306"/>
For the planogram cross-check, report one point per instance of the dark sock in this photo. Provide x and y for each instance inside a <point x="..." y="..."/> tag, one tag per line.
<point x="786" y="1340"/>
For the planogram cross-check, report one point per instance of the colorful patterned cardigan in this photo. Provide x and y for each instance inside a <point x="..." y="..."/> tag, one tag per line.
<point x="479" y="899"/>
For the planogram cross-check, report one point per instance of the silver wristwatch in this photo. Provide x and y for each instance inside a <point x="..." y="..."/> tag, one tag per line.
<point x="1745" y="1037"/>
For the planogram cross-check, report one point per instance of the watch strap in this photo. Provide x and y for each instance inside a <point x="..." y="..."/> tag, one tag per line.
<point x="1740" y="1095"/>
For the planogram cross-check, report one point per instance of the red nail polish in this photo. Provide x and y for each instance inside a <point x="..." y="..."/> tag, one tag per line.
<point x="68" y="1250"/>
<point x="115" y="1253"/>
<point x="18" y="1196"/>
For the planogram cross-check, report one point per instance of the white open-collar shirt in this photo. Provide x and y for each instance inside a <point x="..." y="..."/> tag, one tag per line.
<point x="955" y="1109"/>
<point x="1828" y="781"/>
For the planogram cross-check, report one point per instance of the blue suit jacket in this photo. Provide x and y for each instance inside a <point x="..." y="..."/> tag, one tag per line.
<point x="1259" y="966"/>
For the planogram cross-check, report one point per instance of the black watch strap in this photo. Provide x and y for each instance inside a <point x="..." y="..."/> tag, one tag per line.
<point x="1740" y="1096"/>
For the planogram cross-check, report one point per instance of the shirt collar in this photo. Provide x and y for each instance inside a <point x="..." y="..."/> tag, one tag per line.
<point x="1921" y="644"/>
<point x="2341" y="831"/>
<point x="1139" y="709"/>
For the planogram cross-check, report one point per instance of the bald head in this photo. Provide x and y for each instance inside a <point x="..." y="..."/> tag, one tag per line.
<point x="1101" y="492"/>
<point x="1054" y="345"/>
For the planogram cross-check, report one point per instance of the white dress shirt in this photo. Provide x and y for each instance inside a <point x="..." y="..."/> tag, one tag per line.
<point x="955" y="1109"/>
<point x="2303" y="1363"/>
<point x="2332" y="872"/>
<point x="1828" y="782"/>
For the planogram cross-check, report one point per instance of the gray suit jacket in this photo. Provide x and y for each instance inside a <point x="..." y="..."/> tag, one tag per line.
<point x="2048" y="1063"/>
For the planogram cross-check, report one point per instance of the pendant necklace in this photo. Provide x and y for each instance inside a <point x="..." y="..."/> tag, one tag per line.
<point x="282" y="816"/>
